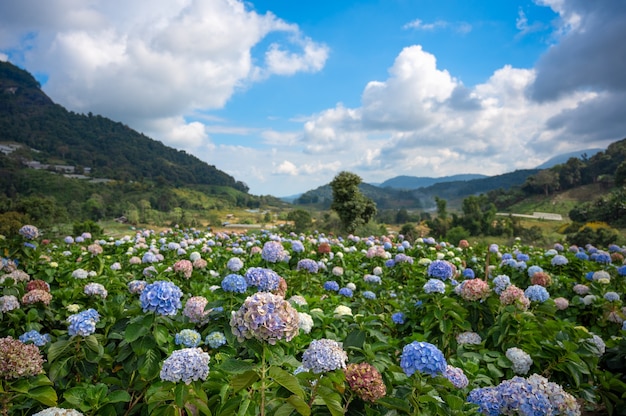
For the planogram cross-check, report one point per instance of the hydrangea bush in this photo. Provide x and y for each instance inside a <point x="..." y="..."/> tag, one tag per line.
<point x="308" y="324"/>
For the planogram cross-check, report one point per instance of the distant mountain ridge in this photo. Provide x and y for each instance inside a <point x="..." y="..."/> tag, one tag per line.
<point x="559" y="159"/>
<point x="415" y="182"/>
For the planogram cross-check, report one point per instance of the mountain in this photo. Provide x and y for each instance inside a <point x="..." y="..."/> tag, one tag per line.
<point x="560" y="159"/>
<point x="414" y="182"/>
<point x="97" y="145"/>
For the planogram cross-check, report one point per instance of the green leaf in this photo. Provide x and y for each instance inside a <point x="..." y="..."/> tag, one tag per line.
<point x="299" y="404"/>
<point x="244" y="380"/>
<point x="60" y="369"/>
<point x="243" y="407"/>
<point x="149" y="365"/>
<point x="234" y="366"/>
<point x="288" y="381"/>
<point x="45" y="395"/>
<point x="138" y="328"/>
<point x="494" y="371"/>
<point x="285" y="409"/>
<point x="118" y="396"/>
<point x="355" y="338"/>
<point x="395" y="403"/>
<point x="57" y="349"/>
<point x="331" y="399"/>
<point x="180" y="394"/>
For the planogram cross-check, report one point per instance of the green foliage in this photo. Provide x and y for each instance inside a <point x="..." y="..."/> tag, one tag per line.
<point x="87" y="227"/>
<point x="302" y="220"/>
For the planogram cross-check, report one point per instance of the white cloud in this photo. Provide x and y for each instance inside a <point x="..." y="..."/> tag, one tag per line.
<point x="286" y="168"/>
<point x="420" y="25"/>
<point x="282" y="62"/>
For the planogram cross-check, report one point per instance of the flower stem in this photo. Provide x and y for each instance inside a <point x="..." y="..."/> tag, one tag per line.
<point x="263" y="372"/>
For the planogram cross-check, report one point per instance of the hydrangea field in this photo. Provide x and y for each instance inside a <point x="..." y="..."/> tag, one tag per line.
<point x="194" y="322"/>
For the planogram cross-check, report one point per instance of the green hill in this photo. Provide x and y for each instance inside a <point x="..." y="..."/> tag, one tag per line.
<point x="94" y="144"/>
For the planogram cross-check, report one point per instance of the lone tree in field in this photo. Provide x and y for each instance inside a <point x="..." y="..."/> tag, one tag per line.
<point x="354" y="208"/>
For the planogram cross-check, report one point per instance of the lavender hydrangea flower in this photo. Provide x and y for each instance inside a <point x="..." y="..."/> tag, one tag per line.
<point x="57" y="411"/>
<point x="234" y="264"/>
<point x="265" y="280"/>
<point x="162" y="297"/>
<point x="297" y="246"/>
<point x="137" y="286"/>
<point x="440" y="269"/>
<point x="95" y="289"/>
<point x="562" y="402"/>
<point x="8" y="303"/>
<point x="83" y="323"/>
<point x="559" y="260"/>
<point x="29" y="232"/>
<point x="324" y="355"/>
<point x="372" y="278"/>
<point x="423" y="357"/>
<point x="434" y="286"/>
<point x="611" y="296"/>
<point x="456" y="376"/>
<point x="307" y="265"/>
<point x="35" y="337"/>
<point x="195" y="310"/>
<point x="537" y="293"/>
<point x="186" y="365"/>
<point x="468" y="337"/>
<point x="266" y="317"/>
<point x="234" y="283"/>
<point x="520" y="359"/>
<point x="273" y="252"/>
<point x="215" y="339"/>
<point x="188" y="338"/>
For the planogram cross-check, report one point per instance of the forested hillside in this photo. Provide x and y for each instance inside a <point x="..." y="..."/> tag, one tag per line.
<point x="107" y="148"/>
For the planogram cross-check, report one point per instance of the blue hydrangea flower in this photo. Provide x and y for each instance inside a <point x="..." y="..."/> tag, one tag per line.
<point x="324" y="355"/>
<point x="440" y="269"/>
<point x="398" y="318"/>
<point x="611" y="296"/>
<point x="487" y="400"/>
<point x="234" y="283"/>
<point x="188" y="338"/>
<point x="368" y="294"/>
<point x="520" y="359"/>
<point x="403" y="258"/>
<point x="559" y="260"/>
<point x="534" y="269"/>
<point x="29" y="231"/>
<point x="215" y="339"/>
<point x="162" y="297"/>
<point x="423" y="357"/>
<point x="346" y="291"/>
<point x="307" y="265"/>
<point x="518" y="397"/>
<point x="537" y="293"/>
<point x="494" y="248"/>
<point x="501" y="282"/>
<point x="469" y="273"/>
<point x="621" y="271"/>
<point x="265" y="280"/>
<point x="137" y="286"/>
<point x="35" y="337"/>
<point x="186" y="365"/>
<point x="434" y="286"/>
<point x="522" y="257"/>
<point x="331" y="285"/>
<point x="83" y="323"/>
<point x="297" y="246"/>
<point x="602" y="257"/>
<point x="371" y="278"/>
<point x="581" y="255"/>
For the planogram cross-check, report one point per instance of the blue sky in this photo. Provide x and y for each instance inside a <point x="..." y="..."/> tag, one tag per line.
<point x="284" y="95"/>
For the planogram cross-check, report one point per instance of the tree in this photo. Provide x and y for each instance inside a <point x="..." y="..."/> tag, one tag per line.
<point x="301" y="219"/>
<point x="353" y="208"/>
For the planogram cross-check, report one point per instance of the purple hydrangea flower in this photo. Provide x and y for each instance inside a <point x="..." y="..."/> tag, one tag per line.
<point x="273" y="252"/>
